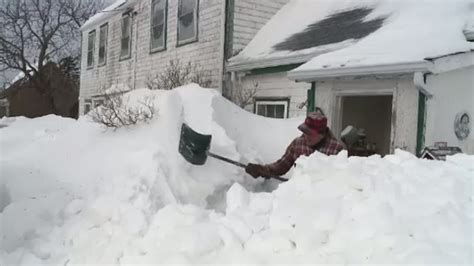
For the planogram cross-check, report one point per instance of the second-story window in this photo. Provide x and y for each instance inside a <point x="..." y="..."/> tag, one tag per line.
<point x="103" y="44"/>
<point x="158" y="25"/>
<point x="90" y="49"/>
<point x="187" y="21"/>
<point x="126" y="39"/>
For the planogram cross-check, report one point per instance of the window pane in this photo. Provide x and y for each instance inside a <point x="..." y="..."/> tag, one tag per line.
<point x="89" y="58"/>
<point x="279" y="111"/>
<point x="271" y="110"/>
<point x="158" y="13"/>
<point x="87" y="108"/>
<point x="158" y="37"/>
<point x="186" y="27"/>
<point x="101" y="54"/>
<point x="261" y="110"/>
<point x="187" y="6"/>
<point x="91" y="42"/>
<point x="125" y="47"/>
<point x="125" y="26"/>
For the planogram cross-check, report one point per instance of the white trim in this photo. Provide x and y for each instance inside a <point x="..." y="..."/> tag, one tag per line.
<point x="270" y="102"/>
<point x="400" y="68"/>
<point x="272" y="62"/>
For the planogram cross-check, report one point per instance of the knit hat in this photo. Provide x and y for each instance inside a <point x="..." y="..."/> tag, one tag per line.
<point x="315" y="123"/>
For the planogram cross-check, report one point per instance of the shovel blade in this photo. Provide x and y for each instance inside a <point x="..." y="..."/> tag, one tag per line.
<point x="194" y="146"/>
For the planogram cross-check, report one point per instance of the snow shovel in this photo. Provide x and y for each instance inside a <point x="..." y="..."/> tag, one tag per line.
<point x="195" y="149"/>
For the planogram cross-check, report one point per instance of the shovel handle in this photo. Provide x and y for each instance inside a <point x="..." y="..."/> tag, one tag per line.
<point x="226" y="159"/>
<point x="240" y="164"/>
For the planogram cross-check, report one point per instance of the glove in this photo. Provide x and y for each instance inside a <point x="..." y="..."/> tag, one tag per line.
<point x="255" y="170"/>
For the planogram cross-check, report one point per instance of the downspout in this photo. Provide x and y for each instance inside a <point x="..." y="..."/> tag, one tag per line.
<point x="223" y="45"/>
<point x="419" y="80"/>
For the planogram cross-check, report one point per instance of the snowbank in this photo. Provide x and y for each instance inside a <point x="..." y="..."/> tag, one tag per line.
<point x="72" y="193"/>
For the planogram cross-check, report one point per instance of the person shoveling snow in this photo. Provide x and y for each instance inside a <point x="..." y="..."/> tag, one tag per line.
<point x="316" y="137"/>
<point x="127" y="197"/>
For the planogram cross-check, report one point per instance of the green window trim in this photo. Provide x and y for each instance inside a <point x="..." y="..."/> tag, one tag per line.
<point x="421" y="124"/>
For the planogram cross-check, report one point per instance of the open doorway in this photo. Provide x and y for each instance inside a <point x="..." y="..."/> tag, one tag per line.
<point x="371" y="119"/>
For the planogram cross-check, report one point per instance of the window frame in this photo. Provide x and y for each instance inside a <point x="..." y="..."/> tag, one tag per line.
<point x="165" y="28"/>
<point x="91" y="49"/>
<point x="106" y="26"/>
<point x="273" y="101"/>
<point x="130" y="33"/>
<point x="196" y="25"/>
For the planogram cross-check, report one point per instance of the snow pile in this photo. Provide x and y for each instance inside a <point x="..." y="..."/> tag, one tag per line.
<point x="72" y="193"/>
<point x="416" y="30"/>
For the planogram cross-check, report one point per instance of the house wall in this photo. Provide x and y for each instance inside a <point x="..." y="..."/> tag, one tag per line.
<point x="142" y="65"/>
<point x="208" y="52"/>
<point x="453" y="92"/>
<point x="277" y="85"/>
<point x="404" y="106"/>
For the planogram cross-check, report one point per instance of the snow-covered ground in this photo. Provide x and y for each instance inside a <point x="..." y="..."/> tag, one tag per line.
<point x="73" y="193"/>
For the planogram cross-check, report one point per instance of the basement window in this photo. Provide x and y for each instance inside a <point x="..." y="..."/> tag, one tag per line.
<point x="87" y="106"/>
<point x="187" y="21"/>
<point x="272" y="108"/>
<point x="98" y="102"/>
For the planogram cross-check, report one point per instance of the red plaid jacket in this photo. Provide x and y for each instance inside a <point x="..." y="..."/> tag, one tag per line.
<point x="329" y="146"/>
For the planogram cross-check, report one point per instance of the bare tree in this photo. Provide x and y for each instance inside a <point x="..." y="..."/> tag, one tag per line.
<point x="117" y="111"/>
<point x="34" y="32"/>
<point x="177" y="74"/>
<point x="243" y="95"/>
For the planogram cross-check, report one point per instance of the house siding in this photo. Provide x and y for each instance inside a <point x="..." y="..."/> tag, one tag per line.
<point x="277" y="85"/>
<point x="404" y="104"/>
<point x="135" y="71"/>
<point x="453" y="92"/>
<point x="208" y="52"/>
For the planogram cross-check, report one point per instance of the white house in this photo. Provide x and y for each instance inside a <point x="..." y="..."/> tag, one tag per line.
<point x="132" y="40"/>
<point x="402" y="70"/>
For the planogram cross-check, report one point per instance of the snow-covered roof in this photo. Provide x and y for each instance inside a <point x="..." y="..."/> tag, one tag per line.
<point x="105" y="14"/>
<point x="305" y="28"/>
<point x="367" y="33"/>
<point x="416" y="31"/>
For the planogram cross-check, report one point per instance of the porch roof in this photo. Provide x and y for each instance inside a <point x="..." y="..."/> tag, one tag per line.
<point x="303" y="29"/>
<point x="407" y="42"/>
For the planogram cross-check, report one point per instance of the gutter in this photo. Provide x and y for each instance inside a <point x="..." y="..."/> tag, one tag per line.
<point x="264" y="63"/>
<point x="380" y="69"/>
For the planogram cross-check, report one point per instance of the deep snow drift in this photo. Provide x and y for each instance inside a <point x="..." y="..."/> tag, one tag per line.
<point x="72" y="193"/>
